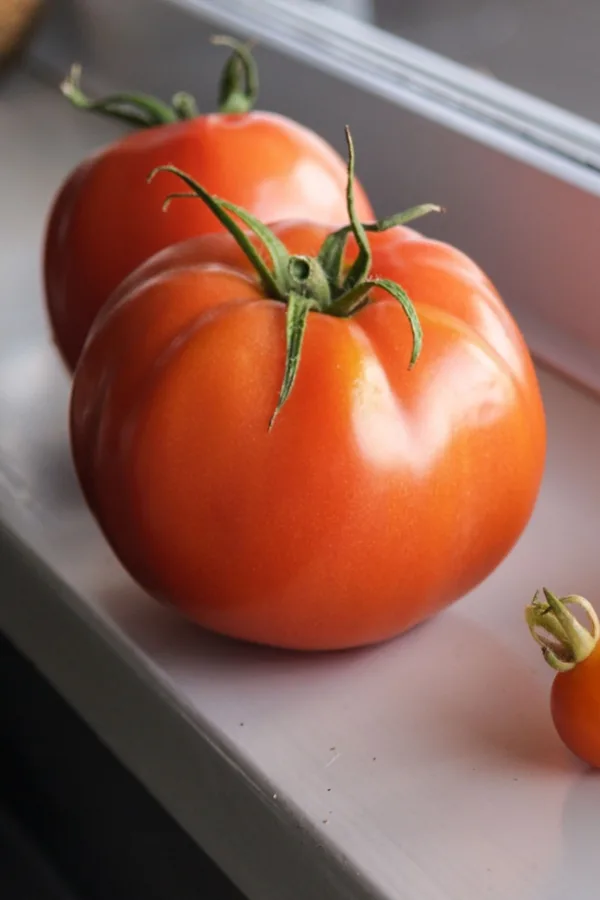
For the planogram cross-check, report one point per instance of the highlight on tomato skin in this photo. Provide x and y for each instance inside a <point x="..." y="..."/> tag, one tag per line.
<point x="304" y="437"/>
<point x="105" y="220"/>
<point x="573" y="651"/>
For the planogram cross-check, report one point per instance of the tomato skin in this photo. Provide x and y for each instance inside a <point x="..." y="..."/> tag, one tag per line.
<point x="575" y="708"/>
<point x="379" y="497"/>
<point x="106" y="220"/>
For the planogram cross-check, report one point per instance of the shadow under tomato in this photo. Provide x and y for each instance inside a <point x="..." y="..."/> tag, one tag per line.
<point x="35" y="454"/>
<point x="59" y="487"/>
<point x="478" y="698"/>
<point x="470" y="694"/>
<point x="450" y="677"/>
<point x="162" y="632"/>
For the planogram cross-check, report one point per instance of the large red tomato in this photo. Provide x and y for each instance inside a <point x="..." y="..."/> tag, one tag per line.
<point x="105" y="220"/>
<point x="378" y="495"/>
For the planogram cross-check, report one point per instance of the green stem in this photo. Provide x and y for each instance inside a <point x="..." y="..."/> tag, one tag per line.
<point x="238" y="90"/>
<point x="135" y="109"/>
<point x="185" y="106"/>
<point x="305" y="276"/>
<point x="565" y="642"/>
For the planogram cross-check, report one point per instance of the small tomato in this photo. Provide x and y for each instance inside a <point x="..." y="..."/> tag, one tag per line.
<point x="573" y="651"/>
<point x="105" y="220"/>
<point x="261" y="446"/>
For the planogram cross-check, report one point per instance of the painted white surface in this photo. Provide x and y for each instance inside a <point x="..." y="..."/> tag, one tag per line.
<point x="426" y="769"/>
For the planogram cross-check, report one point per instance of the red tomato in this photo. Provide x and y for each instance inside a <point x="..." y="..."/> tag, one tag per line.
<point x="574" y="652"/>
<point x="378" y="496"/>
<point x="105" y="220"/>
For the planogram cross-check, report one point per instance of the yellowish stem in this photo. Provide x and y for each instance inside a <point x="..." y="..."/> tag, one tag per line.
<point x="565" y="642"/>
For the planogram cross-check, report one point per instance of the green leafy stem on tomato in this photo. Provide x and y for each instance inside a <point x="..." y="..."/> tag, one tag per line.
<point x="306" y="284"/>
<point x="238" y="93"/>
<point x="565" y="642"/>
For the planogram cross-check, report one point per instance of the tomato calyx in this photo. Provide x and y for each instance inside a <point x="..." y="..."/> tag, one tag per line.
<point x="307" y="284"/>
<point x="565" y="642"/>
<point x="238" y="93"/>
<point x="238" y="89"/>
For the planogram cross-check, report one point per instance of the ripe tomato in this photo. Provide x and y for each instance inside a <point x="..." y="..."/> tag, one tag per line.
<point x="105" y="220"/>
<point x="574" y="652"/>
<point x="377" y="496"/>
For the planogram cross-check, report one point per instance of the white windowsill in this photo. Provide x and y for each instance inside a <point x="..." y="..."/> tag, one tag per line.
<point x="426" y="769"/>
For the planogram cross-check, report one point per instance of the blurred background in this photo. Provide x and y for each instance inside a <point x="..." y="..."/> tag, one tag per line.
<point x="545" y="47"/>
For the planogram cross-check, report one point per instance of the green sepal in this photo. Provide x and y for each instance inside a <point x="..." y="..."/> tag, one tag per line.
<point x="405" y="302"/>
<point x="296" y="319"/>
<point x="238" y="88"/>
<point x="137" y="109"/>
<point x="276" y="248"/>
<point x="219" y="207"/>
<point x="331" y="254"/>
<point x="185" y="106"/>
<point x="361" y="266"/>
